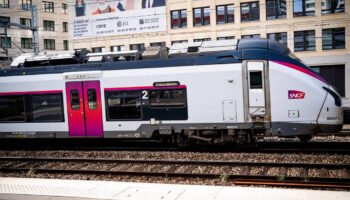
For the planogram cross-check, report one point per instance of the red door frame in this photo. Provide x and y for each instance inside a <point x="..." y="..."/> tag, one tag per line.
<point x="83" y="121"/>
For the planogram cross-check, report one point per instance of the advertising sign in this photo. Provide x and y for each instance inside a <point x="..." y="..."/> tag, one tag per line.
<point x="98" y="18"/>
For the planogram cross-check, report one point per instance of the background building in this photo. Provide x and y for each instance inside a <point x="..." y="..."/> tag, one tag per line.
<point x="52" y="21"/>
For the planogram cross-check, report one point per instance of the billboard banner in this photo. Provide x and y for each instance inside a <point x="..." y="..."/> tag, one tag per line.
<point x="98" y="18"/>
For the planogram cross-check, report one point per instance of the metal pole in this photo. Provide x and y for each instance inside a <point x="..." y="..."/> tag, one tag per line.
<point x="34" y="24"/>
<point x="5" y="42"/>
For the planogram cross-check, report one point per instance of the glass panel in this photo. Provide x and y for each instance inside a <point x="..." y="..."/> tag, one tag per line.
<point x="220" y="16"/>
<point x="124" y="105"/>
<point x="206" y="16"/>
<point x="12" y="108"/>
<point x="230" y="14"/>
<point x="255" y="80"/>
<point x="255" y="12"/>
<point x="168" y="98"/>
<point x="183" y="18"/>
<point x="303" y="8"/>
<point x="75" y="99"/>
<point x="244" y="12"/>
<point x="270" y="9"/>
<point x="332" y="6"/>
<point x="92" y="99"/>
<point x="310" y="41"/>
<point x="175" y="19"/>
<point x="299" y="41"/>
<point x="327" y="39"/>
<point x="339" y="38"/>
<point x="197" y="17"/>
<point x="47" y="107"/>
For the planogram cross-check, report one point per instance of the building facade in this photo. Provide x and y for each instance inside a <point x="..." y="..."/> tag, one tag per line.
<point x="52" y="22"/>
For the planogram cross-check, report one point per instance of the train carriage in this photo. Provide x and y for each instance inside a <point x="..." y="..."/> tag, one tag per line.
<point x="235" y="93"/>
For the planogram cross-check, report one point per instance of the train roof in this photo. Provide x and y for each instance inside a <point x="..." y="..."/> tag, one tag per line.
<point x="202" y="53"/>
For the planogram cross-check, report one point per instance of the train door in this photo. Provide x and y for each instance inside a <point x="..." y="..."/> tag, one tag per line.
<point x="257" y="95"/>
<point x="84" y="108"/>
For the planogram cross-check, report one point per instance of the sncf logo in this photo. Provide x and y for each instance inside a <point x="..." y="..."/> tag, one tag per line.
<point x="294" y="94"/>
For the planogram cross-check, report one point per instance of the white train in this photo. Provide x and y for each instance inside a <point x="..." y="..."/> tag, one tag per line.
<point x="252" y="88"/>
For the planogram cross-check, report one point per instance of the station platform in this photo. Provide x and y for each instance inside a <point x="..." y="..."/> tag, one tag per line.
<point x="54" y="189"/>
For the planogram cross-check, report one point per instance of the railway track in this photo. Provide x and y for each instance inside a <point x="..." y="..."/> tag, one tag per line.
<point x="115" y="145"/>
<point x="299" y="174"/>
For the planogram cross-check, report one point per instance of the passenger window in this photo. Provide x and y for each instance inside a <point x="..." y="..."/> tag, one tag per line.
<point x="168" y="98"/>
<point x="124" y="105"/>
<point x="12" y="108"/>
<point x="75" y="99"/>
<point x="255" y="80"/>
<point x="47" y="108"/>
<point x="92" y="99"/>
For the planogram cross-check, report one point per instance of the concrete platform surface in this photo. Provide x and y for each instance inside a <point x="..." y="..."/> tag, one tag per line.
<point x="55" y="189"/>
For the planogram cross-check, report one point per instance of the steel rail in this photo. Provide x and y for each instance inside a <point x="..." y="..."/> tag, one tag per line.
<point x="179" y="162"/>
<point x="34" y="164"/>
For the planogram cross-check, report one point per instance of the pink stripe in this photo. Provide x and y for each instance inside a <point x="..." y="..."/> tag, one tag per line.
<point x="301" y="70"/>
<point x="143" y="88"/>
<point x="31" y="92"/>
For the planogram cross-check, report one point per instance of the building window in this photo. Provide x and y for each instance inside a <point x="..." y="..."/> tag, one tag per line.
<point x="280" y="37"/>
<point x="26" y="43"/>
<point x="179" y="42"/>
<point x="255" y="36"/>
<point x="333" y="6"/>
<point x="333" y="38"/>
<point x="137" y="46"/>
<point x="276" y="9"/>
<point x="25" y="4"/>
<point x="304" y="41"/>
<point x="64" y="8"/>
<point x="303" y="8"/>
<point x="4" y="4"/>
<point x="65" y="45"/>
<point x="65" y="26"/>
<point x="157" y="44"/>
<point x="12" y="108"/>
<point x="48" y="6"/>
<point x="201" y="16"/>
<point x="202" y="40"/>
<point x="250" y="11"/>
<point x="226" y="38"/>
<point x="2" y="42"/>
<point x="49" y="44"/>
<point x="98" y="49"/>
<point x="117" y="48"/>
<point x="179" y="19"/>
<point x="334" y="74"/>
<point x="7" y="19"/>
<point x="49" y="25"/>
<point x="224" y="14"/>
<point x="25" y="21"/>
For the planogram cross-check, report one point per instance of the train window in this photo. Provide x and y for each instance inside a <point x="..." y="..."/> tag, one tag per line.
<point x="255" y="80"/>
<point x="123" y="105"/>
<point x="168" y="98"/>
<point x="12" y="108"/>
<point x="75" y="99"/>
<point x="47" y="108"/>
<point x="92" y="99"/>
